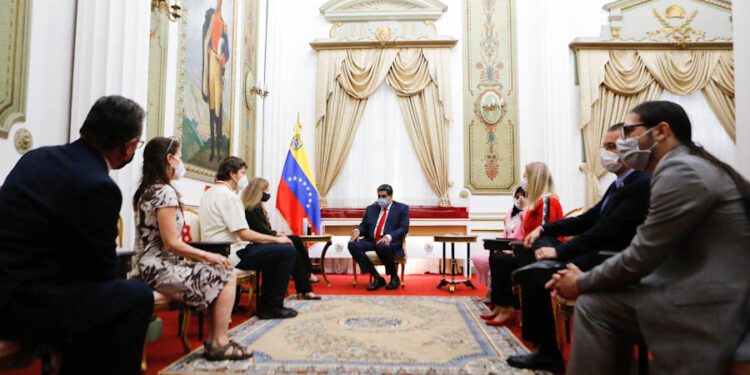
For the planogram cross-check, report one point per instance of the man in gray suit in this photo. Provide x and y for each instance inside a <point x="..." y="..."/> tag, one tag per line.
<point x="682" y="285"/>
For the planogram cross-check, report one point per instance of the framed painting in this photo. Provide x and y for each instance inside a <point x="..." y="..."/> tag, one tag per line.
<point x="205" y="80"/>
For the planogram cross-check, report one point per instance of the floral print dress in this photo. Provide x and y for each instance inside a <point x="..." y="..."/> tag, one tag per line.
<point x="194" y="283"/>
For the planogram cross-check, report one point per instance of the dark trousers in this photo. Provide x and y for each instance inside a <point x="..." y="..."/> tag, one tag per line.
<point x="501" y="267"/>
<point x="99" y="326"/>
<point x="302" y="266"/>
<point x="275" y="262"/>
<point x="385" y="253"/>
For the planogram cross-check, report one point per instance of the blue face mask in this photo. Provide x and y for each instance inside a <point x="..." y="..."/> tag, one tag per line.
<point x="265" y="197"/>
<point x="383" y="202"/>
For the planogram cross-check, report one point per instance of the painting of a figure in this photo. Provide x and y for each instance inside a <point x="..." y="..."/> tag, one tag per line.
<point x="206" y="90"/>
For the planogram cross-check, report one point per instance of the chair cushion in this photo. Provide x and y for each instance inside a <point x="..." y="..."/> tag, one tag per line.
<point x="160" y="299"/>
<point x="376" y="260"/>
<point x="191" y="219"/>
<point x="245" y="274"/>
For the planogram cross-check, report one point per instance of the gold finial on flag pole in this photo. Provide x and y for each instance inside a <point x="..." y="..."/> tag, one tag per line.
<point x="298" y="125"/>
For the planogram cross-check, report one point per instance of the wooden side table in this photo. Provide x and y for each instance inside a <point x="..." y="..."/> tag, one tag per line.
<point x="320" y="238"/>
<point x="453" y="239"/>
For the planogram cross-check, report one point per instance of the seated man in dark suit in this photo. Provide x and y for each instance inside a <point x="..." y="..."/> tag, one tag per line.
<point x="609" y="225"/>
<point x="384" y="226"/>
<point x="58" y="266"/>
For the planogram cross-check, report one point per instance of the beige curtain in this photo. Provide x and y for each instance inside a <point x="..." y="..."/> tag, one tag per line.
<point x="612" y="82"/>
<point x="346" y="78"/>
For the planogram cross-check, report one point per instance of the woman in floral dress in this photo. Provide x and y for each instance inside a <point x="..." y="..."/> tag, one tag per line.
<point x="202" y="280"/>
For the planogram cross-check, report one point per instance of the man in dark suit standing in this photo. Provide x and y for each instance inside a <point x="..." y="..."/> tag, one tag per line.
<point x="383" y="229"/>
<point x="58" y="265"/>
<point x="609" y="225"/>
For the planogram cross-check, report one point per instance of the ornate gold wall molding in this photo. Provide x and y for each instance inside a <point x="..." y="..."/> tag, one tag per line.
<point x="15" y="29"/>
<point x="490" y="97"/>
<point x="248" y="73"/>
<point x="320" y="45"/>
<point x="157" y="74"/>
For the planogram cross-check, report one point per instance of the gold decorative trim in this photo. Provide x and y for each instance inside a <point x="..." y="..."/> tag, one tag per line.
<point x="333" y="28"/>
<point x="578" y="45"/>
<point x="487" y="230"/>
<point x="430" y="23"/>
<point x="15" y="33"/>
<point x="383" y="44"/>
<point x="23" y="141"/>
<point x="488" y="219"/>
<point x="717" y="4"/>
<point x="615" y="32"/>
<point x="636" y="4"/>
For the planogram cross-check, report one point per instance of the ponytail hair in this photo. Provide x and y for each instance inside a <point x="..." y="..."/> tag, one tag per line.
<point x="652" y="113"/>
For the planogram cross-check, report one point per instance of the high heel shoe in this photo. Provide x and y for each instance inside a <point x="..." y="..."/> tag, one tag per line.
<point x="487" y="316"/>
<point x="509" y="321"/>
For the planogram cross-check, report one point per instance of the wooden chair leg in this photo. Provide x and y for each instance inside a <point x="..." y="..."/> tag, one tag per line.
<point x="200" y="326"/>
<point x="184" y="335"/>
<point x="403" y="280"/>
<point x="251" y="295"/>
<point x="354" y="269"/>
<point x="143" y="360"/>
<point x="559" y="324"/>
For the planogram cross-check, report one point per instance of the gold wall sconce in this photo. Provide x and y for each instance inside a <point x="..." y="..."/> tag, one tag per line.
<point x="260" y="92"/>
<point x="172" y="11"/>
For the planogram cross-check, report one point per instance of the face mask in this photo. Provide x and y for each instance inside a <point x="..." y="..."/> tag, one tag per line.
<point x="179" y="171"/>
<point x="242" y="182"/>
<point x="383" y="202"/>
<point x="524" y="183"/>
<point x="517" y="203"/>
<point x="609" y="161"/>
<point x="631" y="155"/>
<point x="265" y="197"/>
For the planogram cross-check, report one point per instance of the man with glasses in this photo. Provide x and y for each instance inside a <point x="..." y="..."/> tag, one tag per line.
<point x="382" y="230"/>
<point x="58" y="266"/>
<point x="682" y="285"/>
<point x="609" y="225"/>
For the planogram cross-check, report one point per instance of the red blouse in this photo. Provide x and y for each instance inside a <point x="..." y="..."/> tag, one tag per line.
<point x="534" y="216"/>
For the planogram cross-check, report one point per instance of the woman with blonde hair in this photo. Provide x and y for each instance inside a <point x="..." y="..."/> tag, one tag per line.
<point x="541" y="207"/>
<point x="256" y="215"/>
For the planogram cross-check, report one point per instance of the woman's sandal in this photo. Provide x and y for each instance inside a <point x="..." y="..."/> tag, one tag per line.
<point x="231" y="351"/>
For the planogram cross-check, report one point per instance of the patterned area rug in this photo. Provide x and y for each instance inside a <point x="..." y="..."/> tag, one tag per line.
<point x="370" y="335"/>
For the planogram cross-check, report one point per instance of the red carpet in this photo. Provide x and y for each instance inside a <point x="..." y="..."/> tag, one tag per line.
<point x="168" y="349"/>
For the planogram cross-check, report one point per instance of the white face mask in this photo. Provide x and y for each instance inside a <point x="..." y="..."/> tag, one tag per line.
<point x="242" y="182"/>
<point x="610" y="160"/>
<point x="524" y="183"/>
<point x="179" y="170"/>
<point x="517" y="203"/>
<point x="630" y="153"/>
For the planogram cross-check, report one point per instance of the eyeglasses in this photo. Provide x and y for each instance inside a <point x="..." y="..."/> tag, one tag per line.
<point x="610" y="146"/>
<point x="382" y="196"/>
<point x="627" y="130"/>
<point x="140" y="143"/>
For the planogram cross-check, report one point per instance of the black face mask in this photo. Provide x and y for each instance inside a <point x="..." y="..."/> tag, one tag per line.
<point x="125" y="162"/>
<point x="265" y="197"/>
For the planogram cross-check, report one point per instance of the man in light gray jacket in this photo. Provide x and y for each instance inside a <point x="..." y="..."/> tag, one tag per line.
<point x="683" y="284"/>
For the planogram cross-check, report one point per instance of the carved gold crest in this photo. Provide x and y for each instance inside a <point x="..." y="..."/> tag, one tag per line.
<point x="383" y="33"/>
<point x="680" y="33"/>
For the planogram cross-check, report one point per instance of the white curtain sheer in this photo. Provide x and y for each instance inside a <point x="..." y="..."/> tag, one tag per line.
<point x="381" y="153"/>
<point x="707" y="130"/>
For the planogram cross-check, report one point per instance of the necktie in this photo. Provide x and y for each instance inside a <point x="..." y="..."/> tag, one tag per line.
<point x="380" y="225"/>
<point x="611" y="191"/>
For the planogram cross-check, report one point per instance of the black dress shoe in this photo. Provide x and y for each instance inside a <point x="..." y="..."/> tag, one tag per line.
<point x="378" y="283"/>
<point x="394" y="283"/>
<point x="276" y="313"/>
<point x="537" y="273"/>
<point x="537" y="360"/>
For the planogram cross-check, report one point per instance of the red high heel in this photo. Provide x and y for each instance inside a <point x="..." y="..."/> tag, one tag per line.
<point x="511" y="320"/>
<point x="487" y="316"/>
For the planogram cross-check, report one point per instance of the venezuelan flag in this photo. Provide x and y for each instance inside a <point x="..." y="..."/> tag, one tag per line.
<point x="297" y="197"/>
